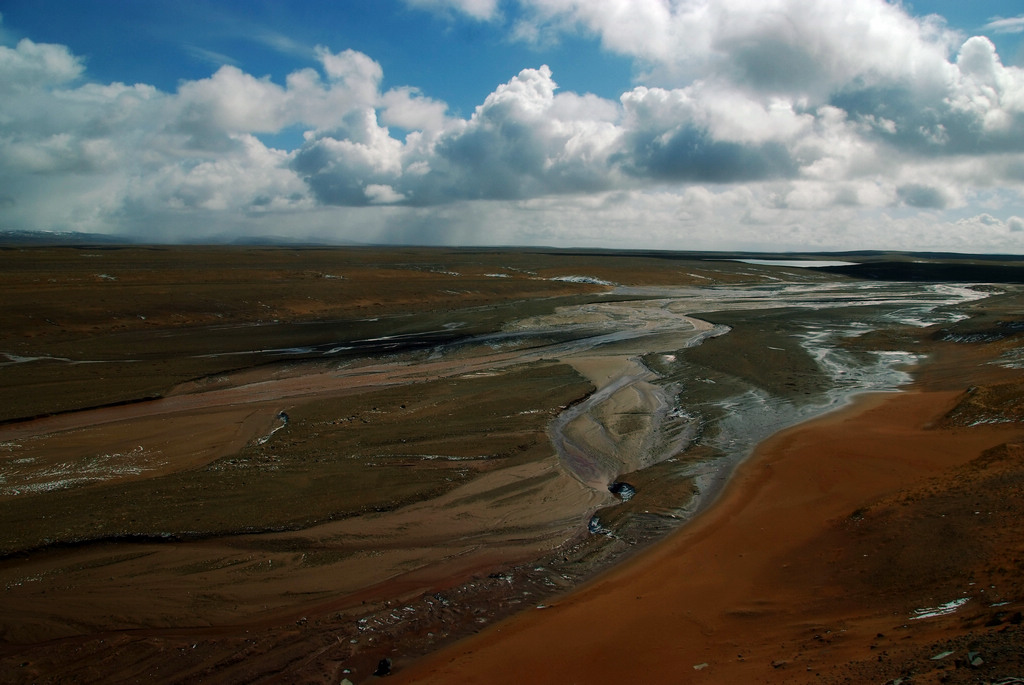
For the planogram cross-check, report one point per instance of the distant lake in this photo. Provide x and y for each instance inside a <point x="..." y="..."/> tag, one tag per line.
<point x="805" y="263"/>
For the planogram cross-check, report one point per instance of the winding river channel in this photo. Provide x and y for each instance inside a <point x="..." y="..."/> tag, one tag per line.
<point x="617" y="337"/>
<point x="610" y="343"/>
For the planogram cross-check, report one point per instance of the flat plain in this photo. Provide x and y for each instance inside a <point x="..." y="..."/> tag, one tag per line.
<point x="242" y="464"/>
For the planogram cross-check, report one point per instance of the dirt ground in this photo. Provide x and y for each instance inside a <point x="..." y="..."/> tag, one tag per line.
<point x="249" y="464"/>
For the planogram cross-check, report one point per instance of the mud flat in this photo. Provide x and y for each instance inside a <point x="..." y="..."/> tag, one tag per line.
<point x="297" y="463"/>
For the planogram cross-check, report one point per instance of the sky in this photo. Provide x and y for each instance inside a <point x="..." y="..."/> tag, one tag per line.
<point x="767" y="125"/>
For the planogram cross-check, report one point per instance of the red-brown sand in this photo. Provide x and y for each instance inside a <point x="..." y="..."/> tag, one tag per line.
<point x="749" y="591"/>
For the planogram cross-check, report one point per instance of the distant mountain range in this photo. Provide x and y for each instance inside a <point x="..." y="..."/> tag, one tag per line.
<point x="61" y="238"/>
<point x="72" y="238"/>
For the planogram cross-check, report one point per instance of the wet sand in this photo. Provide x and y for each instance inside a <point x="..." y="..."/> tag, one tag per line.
<point x="773" y="583"/>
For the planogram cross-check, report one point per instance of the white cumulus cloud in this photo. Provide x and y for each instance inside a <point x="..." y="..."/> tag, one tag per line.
<point x="31" y="65"/>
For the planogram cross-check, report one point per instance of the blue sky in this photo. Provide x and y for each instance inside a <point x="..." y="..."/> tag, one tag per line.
<point x="677" y="124"/>
<point x="159" y="42"/>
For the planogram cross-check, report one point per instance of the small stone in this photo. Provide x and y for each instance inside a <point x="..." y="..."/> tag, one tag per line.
<point x="383" y="667"/>
<point x="700" y="667"/>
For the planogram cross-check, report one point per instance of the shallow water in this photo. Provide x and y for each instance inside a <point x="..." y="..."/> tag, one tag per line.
<point x="801" y="263"/>
<point x="742" y="420"/>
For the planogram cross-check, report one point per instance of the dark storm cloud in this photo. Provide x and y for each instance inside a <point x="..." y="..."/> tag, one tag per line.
<point x="922" y="196"/>
<point x="510" y="160"/>
<point x="497" y="160"/>
<point x="928" y="127"/>
<point x="691" y="154"/>
<point x="975" y="108"/>
<point x="773" y="64"/>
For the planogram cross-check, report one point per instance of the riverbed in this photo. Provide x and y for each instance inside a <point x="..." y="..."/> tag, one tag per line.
<point x="437" y="475"/>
